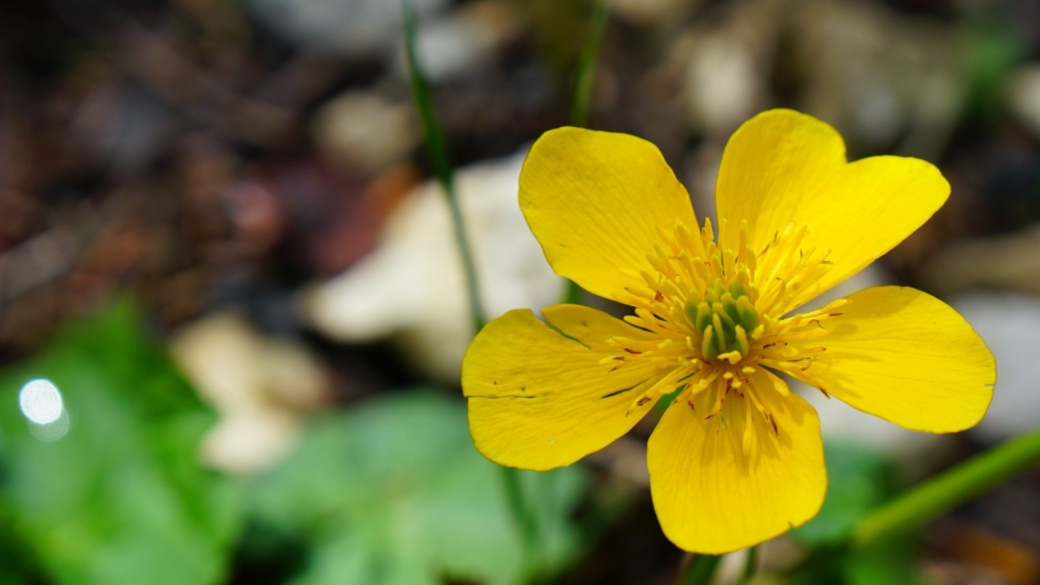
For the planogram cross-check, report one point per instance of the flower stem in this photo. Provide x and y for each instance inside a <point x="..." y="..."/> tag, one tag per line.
<point x="749" y="566"/>
<point x="440" y="161"/>
<point x="699" y="571"/>
<point x="579" y="110"/>
<point x="914" y="508"/>
<point x="515" y="497"/>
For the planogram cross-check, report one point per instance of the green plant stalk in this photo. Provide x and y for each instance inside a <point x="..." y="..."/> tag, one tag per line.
<point x="916" y="507"/>
<point x="699" y="571"/>
<point x="579" y="110"/>
<point x="572" y="294"/>
<point x="524" y="520"/>
<point x="440" y="161"/>
<point x="749" y="566"/>
<point x="441" y="165"/>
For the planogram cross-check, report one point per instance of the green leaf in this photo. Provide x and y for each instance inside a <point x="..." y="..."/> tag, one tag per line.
<point x="858" y="479"/>
<point x="891" y="563"/>
<point x="121" y="495"/>
<point x="394" y="493"/>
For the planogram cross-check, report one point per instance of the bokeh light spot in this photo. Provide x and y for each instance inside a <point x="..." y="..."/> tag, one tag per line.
<point x="41" y="401"/>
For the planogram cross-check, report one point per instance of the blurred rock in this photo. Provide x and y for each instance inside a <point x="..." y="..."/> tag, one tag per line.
<point x="348" y="27"/>
<point x="332" y="215"/>
<point x="727" y="62"/>
<point x="1024" y="96"/>
<point x="700" y="171"/>
<point x="412" y="287"/>
<point x="882" y="78"/>
<point x="121" y="127"/>
<point x="1010" y="325"/>
<point x="885" y="80"/>
<point x="985" y="555"/>
<point x="1008" y="261"/>
<point x="463" y="39"/>
<point x="255" y="213"/>
<point x="653" y="11"/>
<point x="365" y="130"/>
<point x="625" y="459"/>
<point x="261" y="387"/>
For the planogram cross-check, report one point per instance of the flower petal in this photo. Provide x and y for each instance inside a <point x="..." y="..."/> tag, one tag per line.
<point x="595" y="201"/>
<point x="905" y="356"/>
<point x="712" y="496"/>
<point x="539" y="396"/>
<point x="784" y="167"/>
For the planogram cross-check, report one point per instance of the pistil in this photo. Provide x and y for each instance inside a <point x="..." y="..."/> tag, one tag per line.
<point x="725" y="320"/>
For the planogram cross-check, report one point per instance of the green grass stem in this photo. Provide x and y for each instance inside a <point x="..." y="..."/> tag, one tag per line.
<point x="916" y="507"/>
<point x="699" y="571"/>
<point x="440" y="161"/>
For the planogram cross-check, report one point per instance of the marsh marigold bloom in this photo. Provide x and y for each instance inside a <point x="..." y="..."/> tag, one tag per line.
<point x="737" y="457"/>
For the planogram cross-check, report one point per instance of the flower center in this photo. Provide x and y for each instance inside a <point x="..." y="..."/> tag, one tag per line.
<point x="714" y="318"/>
<point x="725" y="319"/>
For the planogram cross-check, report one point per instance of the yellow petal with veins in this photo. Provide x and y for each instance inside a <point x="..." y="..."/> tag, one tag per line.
<point x="595" y="201"/>
<point x="906" y="357"/>
<point x="543" y="396"/>
<point x="782" y="167"/>
<point x="718" y="487"/>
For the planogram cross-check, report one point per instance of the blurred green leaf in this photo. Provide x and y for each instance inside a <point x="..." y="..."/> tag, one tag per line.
<point x="858" y="478"/>
<point x="992" y="49"/>
<point x="120" y="498"/>
<point x="891" y="563"/>
<point x="395" y="493"/>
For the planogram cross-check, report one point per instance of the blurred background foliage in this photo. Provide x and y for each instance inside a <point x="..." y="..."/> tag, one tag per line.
<point x="232" y="313"/>
<point x="114" y="490"/>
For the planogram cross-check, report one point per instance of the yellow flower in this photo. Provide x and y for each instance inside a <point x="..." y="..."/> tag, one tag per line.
<point x="737" y="458"/>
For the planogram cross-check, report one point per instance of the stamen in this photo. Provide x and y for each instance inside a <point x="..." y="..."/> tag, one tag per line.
<point x="717" y="317"/>
<point x="707" y="347"/>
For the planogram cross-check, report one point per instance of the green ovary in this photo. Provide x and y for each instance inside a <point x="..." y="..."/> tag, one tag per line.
<point x="724" y="318"/>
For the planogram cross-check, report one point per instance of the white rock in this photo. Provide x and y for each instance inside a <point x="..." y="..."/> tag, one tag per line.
<point x="1005" y="261"/>
<point x="457" y="42"/>
<point x="348" y="27"/>
<point x="246" y="443"/>
<point x="879" y="76"/>
<point x="725" y="64"/>
<point x="412" y="286"/>
<point x="724" y="82"/>
<point x="366" y="129"/>
<point x="1024" y="96"/>
<point x="261" y="387"/>
<point x="1009" y="323"/>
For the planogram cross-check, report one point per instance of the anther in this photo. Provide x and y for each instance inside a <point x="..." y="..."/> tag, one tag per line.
<point x="742" y="340"/>
<point x="707" y="347"/>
